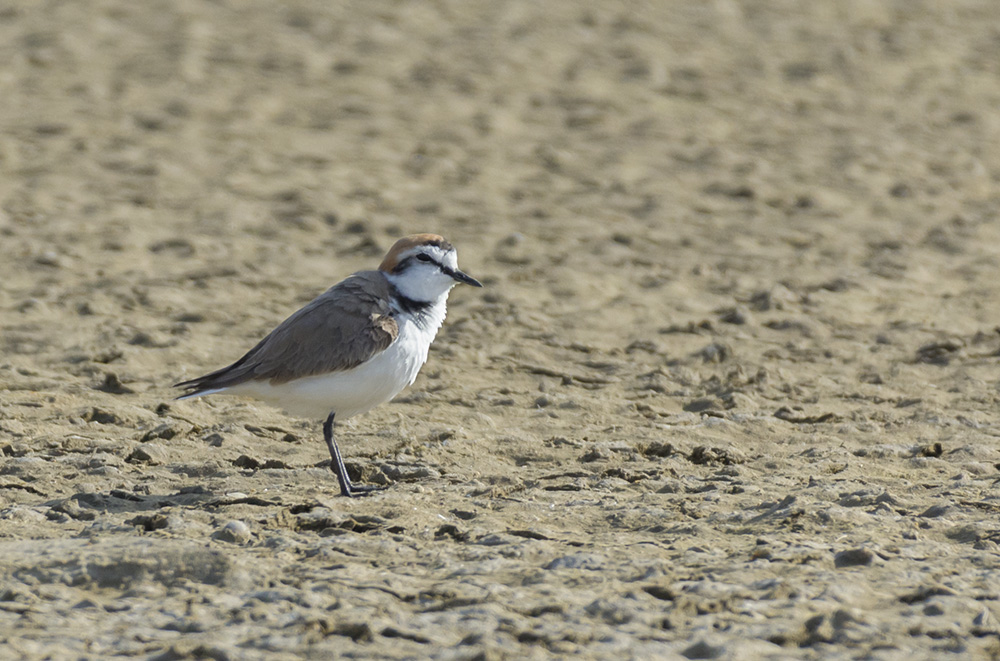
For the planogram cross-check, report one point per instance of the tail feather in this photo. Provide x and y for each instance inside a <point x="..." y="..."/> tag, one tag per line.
<point x="212" y="382"/>
<point x="203" y="385"/>
<point x="199" y="393"/>
<point x="221" y="379"/>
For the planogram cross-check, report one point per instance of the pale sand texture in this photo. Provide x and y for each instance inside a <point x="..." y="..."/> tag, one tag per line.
<point x="731" y="390"/>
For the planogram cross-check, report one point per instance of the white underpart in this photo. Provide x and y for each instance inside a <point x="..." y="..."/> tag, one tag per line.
<point x="350" y="392"/>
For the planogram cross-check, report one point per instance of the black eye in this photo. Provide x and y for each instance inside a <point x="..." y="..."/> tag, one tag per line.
<point x="423" y="257"/>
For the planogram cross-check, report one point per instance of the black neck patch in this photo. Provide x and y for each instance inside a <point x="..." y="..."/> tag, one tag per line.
<point x="410" y="306"/>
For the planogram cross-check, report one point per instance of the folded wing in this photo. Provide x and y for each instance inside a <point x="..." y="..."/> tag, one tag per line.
<point x="342" y="328"/>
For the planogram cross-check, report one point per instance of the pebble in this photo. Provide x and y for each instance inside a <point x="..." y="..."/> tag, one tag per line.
<point x="496" y="540"/>
<point x="935" y="511"/>
<point x="590" y="561"/>
<point x="842" y="617"/>
<point x="166" y="431"/>
<point x="50" y="258"/>
<point x="933" y="609"/>
<point x="983" y="618"/>
<point x="149" y="453"/>
<point x="397" y="472"/>
<point x="513" y="250"/>
<point x="738" y="315"/>
<point x="234" y="532"/>
<point x="702" y="650"/>
<point x="611" y="612"/>
<point x="23" y="514"/>
<point x="853" y="558"/>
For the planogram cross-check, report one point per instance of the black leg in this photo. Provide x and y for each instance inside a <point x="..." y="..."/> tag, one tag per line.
<point x="336" y="462"/>
<point x="337" y="465"/>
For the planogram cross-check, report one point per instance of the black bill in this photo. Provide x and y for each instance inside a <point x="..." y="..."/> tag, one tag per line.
<point x="463" y="277"/>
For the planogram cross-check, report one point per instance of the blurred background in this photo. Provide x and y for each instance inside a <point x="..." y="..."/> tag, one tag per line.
<point x="611" y="170"/>
<point x="576" y="150"/>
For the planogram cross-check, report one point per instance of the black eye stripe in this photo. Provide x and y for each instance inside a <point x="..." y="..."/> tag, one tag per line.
<point x="422" y="257"/>
<point x="427" y="259"/>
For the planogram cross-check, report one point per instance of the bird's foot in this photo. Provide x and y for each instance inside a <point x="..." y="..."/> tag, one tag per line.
<point x="360" y="490"/>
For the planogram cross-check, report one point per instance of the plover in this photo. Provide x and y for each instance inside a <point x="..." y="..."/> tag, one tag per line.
<point x="353" y="347"/>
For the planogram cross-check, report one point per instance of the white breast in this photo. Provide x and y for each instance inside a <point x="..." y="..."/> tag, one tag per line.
<point x="362" y="388"/>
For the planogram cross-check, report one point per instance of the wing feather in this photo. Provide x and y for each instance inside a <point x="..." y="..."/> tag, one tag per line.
<point x="341" y="328"/>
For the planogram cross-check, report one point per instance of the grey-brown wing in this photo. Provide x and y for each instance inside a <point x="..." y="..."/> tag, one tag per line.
<point x="343" y="327"/>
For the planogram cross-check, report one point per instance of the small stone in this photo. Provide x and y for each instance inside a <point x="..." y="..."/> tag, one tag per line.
<point x="778" y="297"/>
<point x="73" y="509"/>
<point x="716" y="352"/>
<point x="969" y="533"/>
<point x="356" y="631"/>
<point x="50" y="258"/>
<point x="701" y="404"/>
<point x="189" y="649"/>
<point x="589" y="561"/>
<point x="610" y="612"/>
<point x="243" y="461"/>
<point x="935" y="511"/>
<point x="452" y="531"/>
<point x="496" y="539"/>
<point x="150" y="340"/>
<point x="819" y="629"/>
<point x="403" y="472"/>
<point x="234" y="532"/>
<point x="657" y="449"/>
<point x="702" y="650"/>
<point x="853" y="558"/>
<point x="112" y="384"/>
<point x="738" y="316"/>
<point x="708" y="455"/>
<point x="102" y="417"/>
<point x="594" y="454"/>
<point x="22" y="514"/>
<point x="166" y="431"/>
<point x="933" y="609"/>
<point x="214" y="439"/>
<point x="671" y="486"/>
<point x="150" y="453"/>
<point x="842" y="617"/>
<point x="513" y="250"/>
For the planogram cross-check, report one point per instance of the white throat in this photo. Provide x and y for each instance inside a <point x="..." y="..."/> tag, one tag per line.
<point x="423" y="286"/>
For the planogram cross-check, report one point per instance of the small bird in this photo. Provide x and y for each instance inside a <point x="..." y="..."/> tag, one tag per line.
<point x="353" y="347"/>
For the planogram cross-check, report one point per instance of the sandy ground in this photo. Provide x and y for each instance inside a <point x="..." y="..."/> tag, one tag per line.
<point x="731" y="390"/>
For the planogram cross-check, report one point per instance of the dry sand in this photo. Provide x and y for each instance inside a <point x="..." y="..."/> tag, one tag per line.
<point x="731" y="390"/>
